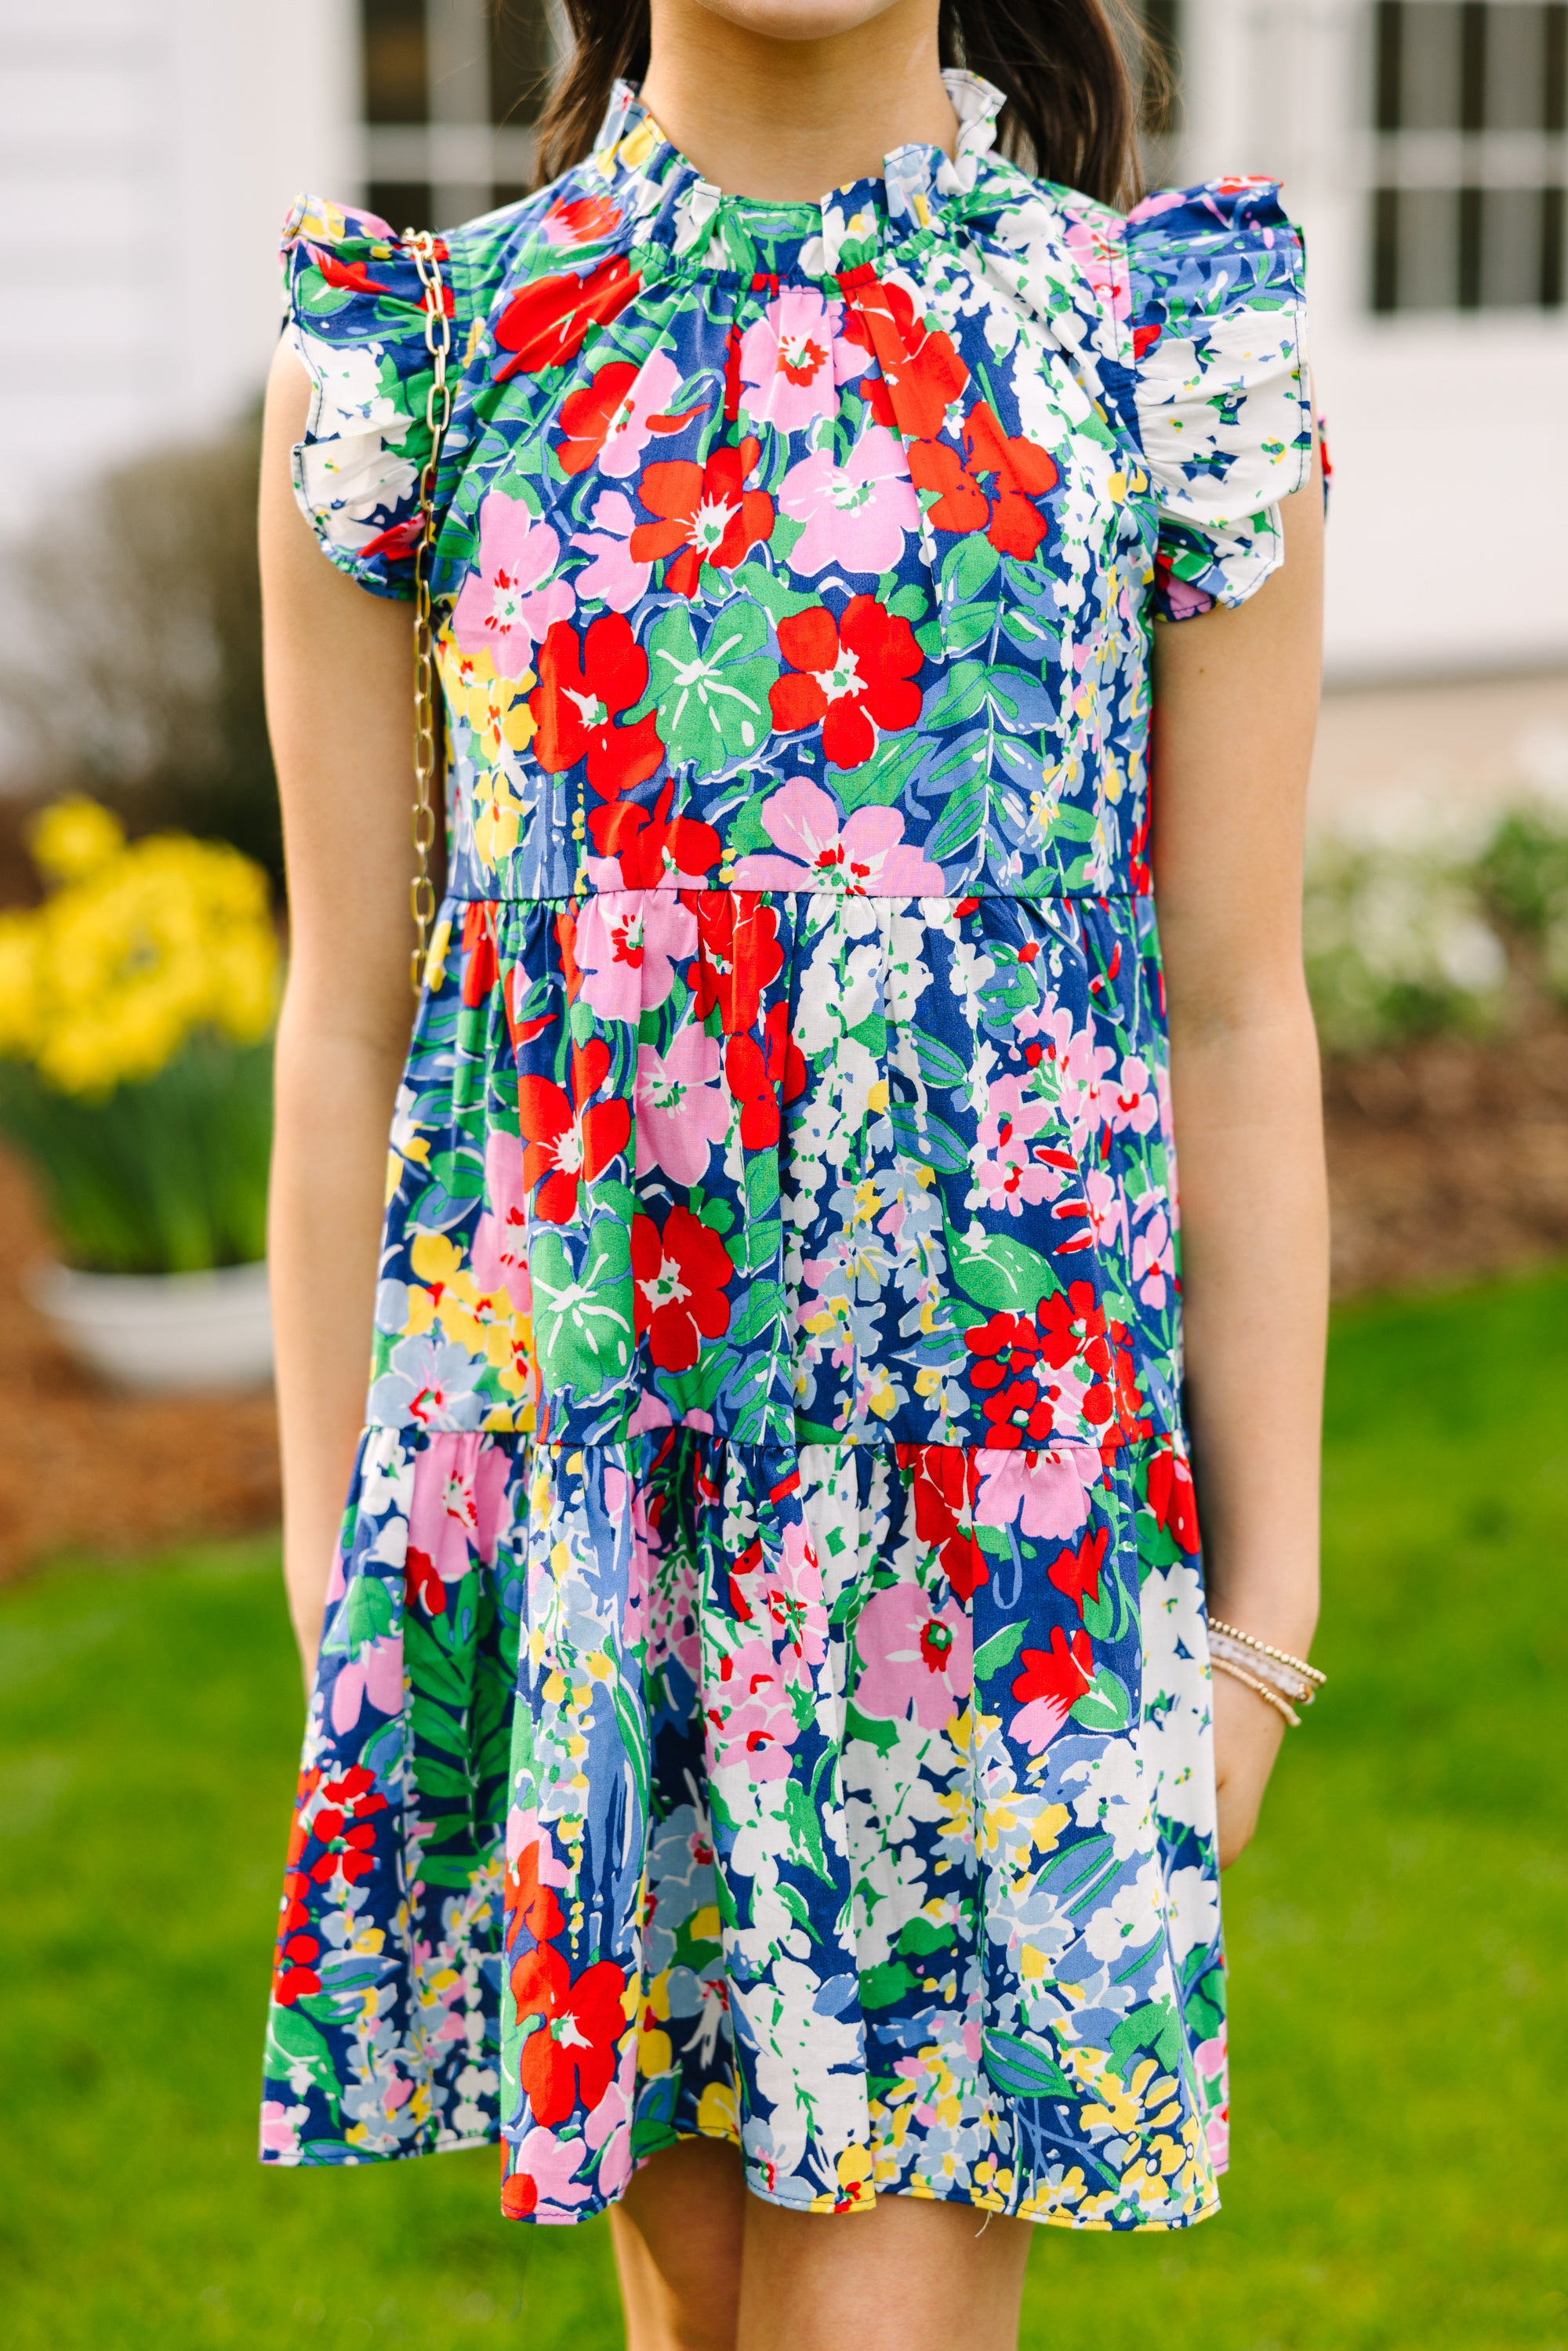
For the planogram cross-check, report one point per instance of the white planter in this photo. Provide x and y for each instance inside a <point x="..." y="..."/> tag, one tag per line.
<point x="159" y="1333"/>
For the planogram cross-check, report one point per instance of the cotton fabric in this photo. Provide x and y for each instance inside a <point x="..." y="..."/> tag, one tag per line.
<point x="765" y="1692"/>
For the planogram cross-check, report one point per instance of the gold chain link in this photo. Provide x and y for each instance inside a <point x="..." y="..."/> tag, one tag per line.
<point x="437" y="414"/>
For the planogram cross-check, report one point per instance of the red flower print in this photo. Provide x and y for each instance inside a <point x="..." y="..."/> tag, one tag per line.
<point x="1061" y="1674"/>
<point x="480" y="967"/>
<point x="1021" y="471"/>
<point x="1003" y="1344"/>
<point x="738" y="954"/>
<point x="1019" y="1413"/>
<point x="944" y="1486"/>
<point x="763" y="1077"/>
<point x="526" y="1903"/>
<point x="341" y="1824"/>
<point x="704" y="512"/>
<point x="584" y="685"/>
<point x="354" y="277"/>
<point x="588" y="415"/>
<point x="582" y="222"/>
<point x="520" y="2193"/>
<point x="680" y="1277"/>
<point x="420" y="1582"/>
<point x="653" y="848"/>
<point x="570" y="1141"/>
<point x="1077" y="1572"/>
<point x="571" y="2054"/>
<point x="922" y="374"/>
<point x="1071" y="1324"/>
<point x="549" y="321"/>
<point x="1170" y="1497"/>
<point x="854" y="675"/>
<point x="294" y="1976"/>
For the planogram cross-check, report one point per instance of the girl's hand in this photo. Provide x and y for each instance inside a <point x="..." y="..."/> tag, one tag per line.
<point x="1246" y="1735"/>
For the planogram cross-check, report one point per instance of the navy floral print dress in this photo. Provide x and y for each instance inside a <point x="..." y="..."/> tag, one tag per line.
<point x="765" y="1692"/>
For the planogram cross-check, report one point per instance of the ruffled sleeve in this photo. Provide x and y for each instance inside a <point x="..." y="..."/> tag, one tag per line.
<point x="355" y="313"/>
<point x="1221" y="390"/>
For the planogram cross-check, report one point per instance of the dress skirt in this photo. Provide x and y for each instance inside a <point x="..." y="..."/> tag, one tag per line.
<point x="764" y="1693"/>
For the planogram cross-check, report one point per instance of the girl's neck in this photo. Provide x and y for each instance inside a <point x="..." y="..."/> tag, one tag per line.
<point x="762" y="115"/>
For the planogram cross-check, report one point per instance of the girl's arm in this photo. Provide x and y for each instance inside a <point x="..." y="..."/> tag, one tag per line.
<point x="1236" y="704"/>
<point x="338" y="695"/>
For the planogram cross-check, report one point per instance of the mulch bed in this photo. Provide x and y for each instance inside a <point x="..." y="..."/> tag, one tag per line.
<point x="1447" y="1161"/>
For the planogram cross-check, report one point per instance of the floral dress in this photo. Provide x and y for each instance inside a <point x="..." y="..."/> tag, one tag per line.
<point x="765" y="1692"/>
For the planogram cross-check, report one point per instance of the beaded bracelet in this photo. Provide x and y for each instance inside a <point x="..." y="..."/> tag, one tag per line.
<point x="1274" y="1675"/>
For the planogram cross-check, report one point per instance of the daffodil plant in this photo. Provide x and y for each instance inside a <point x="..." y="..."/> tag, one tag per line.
<point x="136" y="1011"/>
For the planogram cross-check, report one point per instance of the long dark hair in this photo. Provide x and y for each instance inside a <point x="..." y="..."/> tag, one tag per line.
<point x="1073" y="73"/>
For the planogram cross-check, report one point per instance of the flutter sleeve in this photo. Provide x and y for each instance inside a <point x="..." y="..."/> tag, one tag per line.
<point x="354" y="310"/>
<point x="1221" y="388"/>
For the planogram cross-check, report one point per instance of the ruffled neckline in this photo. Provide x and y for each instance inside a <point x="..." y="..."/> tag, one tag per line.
<point x="667" y="203"/>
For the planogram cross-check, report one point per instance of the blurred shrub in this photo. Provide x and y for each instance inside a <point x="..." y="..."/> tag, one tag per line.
<point x="138" y="673"/>
<point x="1418" y="935"/>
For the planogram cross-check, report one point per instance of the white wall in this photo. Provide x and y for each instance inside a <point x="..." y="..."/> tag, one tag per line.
<point x="149" y="150"/>
<point x="1449" y="437"/>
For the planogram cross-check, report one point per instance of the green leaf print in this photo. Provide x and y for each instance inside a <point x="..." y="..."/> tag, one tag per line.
<point x="370" y="1611"/>
<point x="711" y="699"/>
<point x="293" y="2045"/>
<point x="582" y="1317"/>
<point x="999" y="1651"/>
<point x="755" y="583"/>
<point x="882" y="1986"/>
<point x="1105" y="1706"/>
<point x="1155" y="2027"/>
<point x="1023" y="2069"/>
<point x="997" y="1272"/>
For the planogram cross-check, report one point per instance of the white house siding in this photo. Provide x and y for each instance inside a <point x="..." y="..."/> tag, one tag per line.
<point x="1449" y="433"/>
<point x="148" y="151"/>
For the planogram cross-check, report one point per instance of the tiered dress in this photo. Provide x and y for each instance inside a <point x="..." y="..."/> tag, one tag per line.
<point x="765" y="1691"/>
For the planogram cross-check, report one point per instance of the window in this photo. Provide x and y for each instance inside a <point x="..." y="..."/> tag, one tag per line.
<point x="453" y="90"/>
<point x="1470" y="122"/>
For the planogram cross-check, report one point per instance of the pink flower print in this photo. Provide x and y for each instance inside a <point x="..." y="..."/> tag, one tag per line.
<point x="628" y="944"/>
<point x="609" y="2125"/>
<point x="499" y="1253"/>
<point x="510" y="600"/>
<point x="1154" y="1260"/>
<point x="549" y="2162"/>
<point x="280" y="2129"/>
<point x="785" y="1590"/>
<point x="647" y="398"/>
<point x="1015" y="1166"/>
<point x="913" y="1656"/>
<point x="459" y="1503"/>
<point x="792" y="359"/>
<point x="1132" y="1103"/>
<point x="855" y="514"/>
<point x="611" y="578"/>
<point x="376" y="1673"/>
<point x="868" y="857"/>
<point x="750" y="1717"/>
<point x="1106" y="1208"/>
<point x="1046" y="1492"/>
<point x="682" y="1106"/>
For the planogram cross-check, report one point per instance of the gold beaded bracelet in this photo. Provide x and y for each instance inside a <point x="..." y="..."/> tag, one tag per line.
<point x="1274" y="1675"/>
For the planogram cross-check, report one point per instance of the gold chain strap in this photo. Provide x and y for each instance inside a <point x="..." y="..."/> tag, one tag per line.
<point x="437" y="415"/>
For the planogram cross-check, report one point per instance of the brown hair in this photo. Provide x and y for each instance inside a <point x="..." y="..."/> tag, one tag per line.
<point x="1071" y="113"/>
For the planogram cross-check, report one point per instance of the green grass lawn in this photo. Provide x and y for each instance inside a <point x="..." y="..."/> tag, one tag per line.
<point x="1399" y="1939"/>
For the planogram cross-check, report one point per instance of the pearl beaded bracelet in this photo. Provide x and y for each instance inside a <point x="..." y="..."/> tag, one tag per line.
<point x="1273" y="1674"/>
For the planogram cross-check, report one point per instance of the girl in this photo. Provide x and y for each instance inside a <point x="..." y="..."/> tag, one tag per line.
<point x="763" y="1766"/>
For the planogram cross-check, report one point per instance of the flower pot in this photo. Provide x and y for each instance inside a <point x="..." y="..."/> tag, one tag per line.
<point x="159" y="1333"/>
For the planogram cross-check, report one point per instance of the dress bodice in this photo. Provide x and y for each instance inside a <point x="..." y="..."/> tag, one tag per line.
<point x="811" y="547"/>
